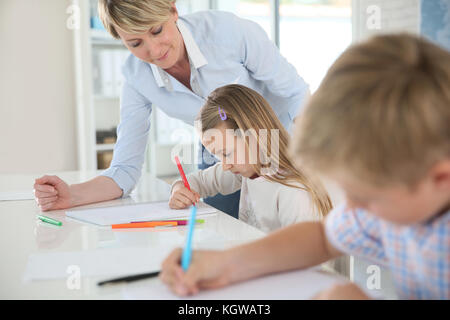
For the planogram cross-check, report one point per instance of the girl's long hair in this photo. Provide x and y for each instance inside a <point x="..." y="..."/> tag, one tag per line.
<point x="247" y="111"/>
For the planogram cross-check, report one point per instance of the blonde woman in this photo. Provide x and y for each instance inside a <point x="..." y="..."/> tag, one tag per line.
<point x="176" y="62"/>
<point x="252" y="145"/>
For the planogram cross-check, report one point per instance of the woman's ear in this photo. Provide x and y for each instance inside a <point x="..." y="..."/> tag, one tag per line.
<point x="174" y="11"/>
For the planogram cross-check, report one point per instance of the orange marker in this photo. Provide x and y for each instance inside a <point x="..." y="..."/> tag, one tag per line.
<point x="150" y="224"/>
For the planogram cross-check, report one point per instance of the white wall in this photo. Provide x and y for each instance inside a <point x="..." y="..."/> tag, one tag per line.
<point x="37" y="90"/>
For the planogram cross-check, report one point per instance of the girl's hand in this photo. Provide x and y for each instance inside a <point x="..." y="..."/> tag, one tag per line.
<point x="52" y="193"/>
<point x="208" y="269"/>
<point x="348" y="291"/>
<point x="181" y="197"/>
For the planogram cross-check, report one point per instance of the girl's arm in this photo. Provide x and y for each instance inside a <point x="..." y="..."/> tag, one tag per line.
<point x="213" y="180"/>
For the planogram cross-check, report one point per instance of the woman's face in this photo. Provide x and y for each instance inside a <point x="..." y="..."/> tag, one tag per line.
<point x="161" y="45"/>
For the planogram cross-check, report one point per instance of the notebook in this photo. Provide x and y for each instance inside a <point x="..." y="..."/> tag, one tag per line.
<point x="147" y="211"/>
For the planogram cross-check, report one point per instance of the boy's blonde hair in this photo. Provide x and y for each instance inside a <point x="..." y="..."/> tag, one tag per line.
<point x="382" y="112"/>
<point x="133" y="16"/>
<point x="248" y="112"/>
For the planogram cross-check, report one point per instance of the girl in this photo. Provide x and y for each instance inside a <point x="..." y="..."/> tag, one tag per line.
<point x="274" y="193"/>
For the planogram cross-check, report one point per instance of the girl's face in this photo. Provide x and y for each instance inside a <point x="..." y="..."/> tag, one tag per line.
<point x="161" y="45"/>
<point x="231" y="150"/>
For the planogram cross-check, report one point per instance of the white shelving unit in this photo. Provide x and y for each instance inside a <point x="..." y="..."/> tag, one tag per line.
<point x="95" y="110"/>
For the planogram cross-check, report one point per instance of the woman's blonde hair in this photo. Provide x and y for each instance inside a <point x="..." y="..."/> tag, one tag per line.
<point x="133" y="16"/>
<point x="248" y="112"/>
<point x="382" y="112"/>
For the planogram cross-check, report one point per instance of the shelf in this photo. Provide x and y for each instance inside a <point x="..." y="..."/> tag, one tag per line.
<point x="104" y="147"/>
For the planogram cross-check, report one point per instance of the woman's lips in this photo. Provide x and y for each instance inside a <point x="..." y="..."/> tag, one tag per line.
<point x="164" y="56"/>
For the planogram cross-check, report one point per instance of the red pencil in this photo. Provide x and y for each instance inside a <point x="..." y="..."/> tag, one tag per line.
<point x="183" y="176"/>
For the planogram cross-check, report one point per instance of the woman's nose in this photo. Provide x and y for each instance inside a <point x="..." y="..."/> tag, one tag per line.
<point x="153" y="49"/>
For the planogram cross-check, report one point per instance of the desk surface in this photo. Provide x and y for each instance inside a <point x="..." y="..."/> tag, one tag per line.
<point x="21" y="235"/>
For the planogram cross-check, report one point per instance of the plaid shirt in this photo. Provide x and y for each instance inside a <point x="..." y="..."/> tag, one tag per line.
<point x="418" y="256"/>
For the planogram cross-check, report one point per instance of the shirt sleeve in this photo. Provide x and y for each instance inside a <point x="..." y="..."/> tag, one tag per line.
<point x="214" y="180"/>
<point x="265" y="63"/>
<point x="132" y="137"/>
<point x="356" y="232"/>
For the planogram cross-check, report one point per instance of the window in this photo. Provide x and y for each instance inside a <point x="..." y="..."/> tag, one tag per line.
<point x="313" y="33"/>
<point x="255" y="10"/>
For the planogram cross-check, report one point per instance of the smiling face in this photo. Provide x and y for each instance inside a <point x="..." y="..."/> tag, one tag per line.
<point x="161" y="45"/>
<point x="230" y="149"/>
<point x="398" y="203"/>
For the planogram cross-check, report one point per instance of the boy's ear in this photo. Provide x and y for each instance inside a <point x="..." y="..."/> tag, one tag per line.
<point x="441" y="174"/>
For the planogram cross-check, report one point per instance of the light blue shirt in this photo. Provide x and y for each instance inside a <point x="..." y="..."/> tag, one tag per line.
<point x="222" y="49"/>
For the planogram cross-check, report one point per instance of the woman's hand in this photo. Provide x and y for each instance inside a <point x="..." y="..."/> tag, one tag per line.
<point x="181" y="197"/>
<point x="348" y="291"/>
<point x="52" y="193"/>
<point x="208" y="269"/>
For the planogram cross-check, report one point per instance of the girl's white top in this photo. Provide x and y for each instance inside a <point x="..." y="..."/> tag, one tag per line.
<point x="264" y="204"/>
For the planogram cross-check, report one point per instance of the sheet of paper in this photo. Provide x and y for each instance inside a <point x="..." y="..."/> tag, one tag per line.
<point x="295" y="285"/>
<point x="120" y="260"/>
<point x="107" y="262"/>
<point x="148" y="211"/>
<point x="14" y="196"/>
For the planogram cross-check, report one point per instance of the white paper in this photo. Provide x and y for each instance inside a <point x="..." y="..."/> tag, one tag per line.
<point x="99" y="262"/>
<point x="14" y="196"/>
<point x="121" y="260"/>
<point x="295" y="285"/>
<point x="149" y="211"/>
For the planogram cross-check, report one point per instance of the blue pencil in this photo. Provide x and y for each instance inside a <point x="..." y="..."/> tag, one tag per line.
<point x="187" y="252"/>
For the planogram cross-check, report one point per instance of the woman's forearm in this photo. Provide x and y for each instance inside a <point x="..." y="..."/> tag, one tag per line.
<point x="98" y="189"/>
<point x="298" y="246"/>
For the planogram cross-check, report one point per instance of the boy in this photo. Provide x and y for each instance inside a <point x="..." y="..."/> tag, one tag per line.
<point x="379" y="125"/>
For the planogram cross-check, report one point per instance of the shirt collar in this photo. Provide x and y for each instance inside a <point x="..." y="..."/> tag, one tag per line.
<point x="196" y="58"/>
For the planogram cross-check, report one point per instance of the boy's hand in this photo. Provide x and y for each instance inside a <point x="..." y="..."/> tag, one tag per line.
<point x="181" y="197"/>
<point x="52" y="193"/>
<point x="208" y="270"/>
<point x="348" y="291"/>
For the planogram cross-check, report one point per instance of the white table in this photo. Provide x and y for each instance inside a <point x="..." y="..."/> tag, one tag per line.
<point x="22" y="235"/>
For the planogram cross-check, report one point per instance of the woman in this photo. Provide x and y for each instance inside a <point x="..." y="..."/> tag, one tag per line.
<point x="176" y="63"/>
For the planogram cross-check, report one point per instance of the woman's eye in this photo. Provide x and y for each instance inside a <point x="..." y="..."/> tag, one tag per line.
<point x="134" y="45"/>
<point x="157" y="31"/>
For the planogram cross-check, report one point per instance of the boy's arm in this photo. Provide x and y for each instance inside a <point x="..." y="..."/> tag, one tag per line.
<point x="298" y="246"/>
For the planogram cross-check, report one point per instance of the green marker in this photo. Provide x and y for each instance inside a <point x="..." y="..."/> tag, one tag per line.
<point x="50" y="220"/>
